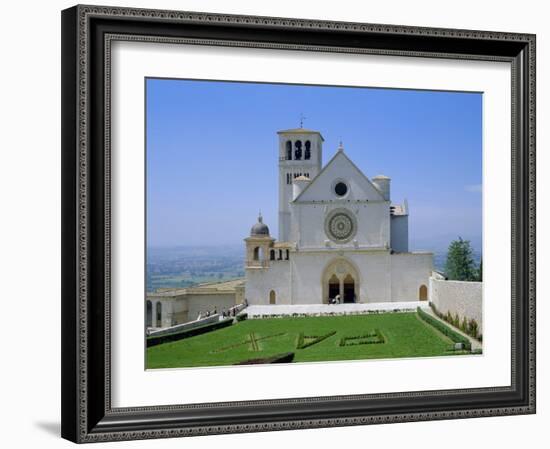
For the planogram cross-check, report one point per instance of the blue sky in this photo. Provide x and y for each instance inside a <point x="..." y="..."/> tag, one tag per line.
<point x="212" y="152"/>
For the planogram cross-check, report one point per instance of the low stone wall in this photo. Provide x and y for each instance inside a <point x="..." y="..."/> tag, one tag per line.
<point x="457" y="297"/>
<point x="328" y="310"/>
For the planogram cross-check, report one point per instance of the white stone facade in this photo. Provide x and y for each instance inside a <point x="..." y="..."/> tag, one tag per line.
<point x="339" y="235"/>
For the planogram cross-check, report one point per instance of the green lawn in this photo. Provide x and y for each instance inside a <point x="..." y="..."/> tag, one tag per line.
<point x="404" y="335"/>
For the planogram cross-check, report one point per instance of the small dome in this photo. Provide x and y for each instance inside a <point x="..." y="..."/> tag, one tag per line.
<point x="381" y="177"/>
<point x="259" y="228"/>
<point x="302" y="178"/>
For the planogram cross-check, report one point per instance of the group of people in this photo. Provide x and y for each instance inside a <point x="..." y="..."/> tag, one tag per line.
<point x="207" y="314"/>
<point x="233" y="311"/>
<point x="230" y="313"/>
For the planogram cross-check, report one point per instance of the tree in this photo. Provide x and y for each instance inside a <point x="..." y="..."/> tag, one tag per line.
<point x="480" y="270"/>
<point x="460" y="264"/>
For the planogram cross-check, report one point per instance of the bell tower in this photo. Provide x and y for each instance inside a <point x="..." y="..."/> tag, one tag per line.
<point x="300" y="154"/>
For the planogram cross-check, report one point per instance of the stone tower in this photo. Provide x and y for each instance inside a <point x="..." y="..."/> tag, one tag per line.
<point x="300" y="154"/>
<point x="257" y="245"/>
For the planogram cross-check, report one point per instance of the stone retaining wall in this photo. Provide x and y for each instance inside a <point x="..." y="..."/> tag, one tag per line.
<point x="457" y="297"/>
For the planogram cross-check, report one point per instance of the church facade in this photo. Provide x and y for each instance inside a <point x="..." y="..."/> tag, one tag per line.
<point x="340" y="236"/>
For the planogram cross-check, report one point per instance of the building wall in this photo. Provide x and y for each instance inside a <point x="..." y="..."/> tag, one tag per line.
<point x="260" y="282"/>
<point x="458" y="297"/>
<point x="373" y="227"/>
<point x="184" y="308"/>
<point x="173" y="310"/>
<point x="207" y="302"/>
<point x="180" y="312"/>
<point x="400" y="233"/>
<point x="409" y="271"/>
<point x="382" y="277"/>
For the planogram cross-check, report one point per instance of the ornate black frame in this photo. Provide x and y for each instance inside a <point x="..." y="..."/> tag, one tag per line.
<point x="87" y="32"/>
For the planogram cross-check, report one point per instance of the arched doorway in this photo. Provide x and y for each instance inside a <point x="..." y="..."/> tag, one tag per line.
<point x="149" y="314"/>
<point x="333" y="287"/>
<point x="340" y="277"/>
<point x="349" y="289"/>
<point x="423" y="293"/>
<point x="272" y="299"/>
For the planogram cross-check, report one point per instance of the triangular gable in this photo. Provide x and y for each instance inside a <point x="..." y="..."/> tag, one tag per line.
<point x="340" y="167"/>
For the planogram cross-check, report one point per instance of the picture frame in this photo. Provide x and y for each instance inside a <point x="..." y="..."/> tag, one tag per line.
<point x="87" y="411"/>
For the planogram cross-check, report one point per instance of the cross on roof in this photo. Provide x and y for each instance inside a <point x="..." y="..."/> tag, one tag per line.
<point x="302" y="118"/>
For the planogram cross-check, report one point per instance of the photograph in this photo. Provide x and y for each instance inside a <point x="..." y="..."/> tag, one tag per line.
<point x="294" y="223"/>
<point x="287" y="218"/>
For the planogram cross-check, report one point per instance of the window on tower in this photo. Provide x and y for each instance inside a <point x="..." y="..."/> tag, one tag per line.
<point x="288" y="150"/>
<point x="307" y="153"/>
<point x="298" y="150"/>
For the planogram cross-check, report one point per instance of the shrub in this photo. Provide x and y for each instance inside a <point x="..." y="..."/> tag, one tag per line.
<point x="464" y="325"/>
<point x="241" y="316"/>
<point x="473" y="328"/>
<point x="456" y="321"/>
<point x="444" y="329"/>
<point x="252" y="340"/>
<point x="469" y="327"/>
<point x="372" y="337"/>
<point x="311" y="339"/>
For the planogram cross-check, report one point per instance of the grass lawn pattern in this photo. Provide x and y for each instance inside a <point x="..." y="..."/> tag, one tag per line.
<point x="405" y="334"/>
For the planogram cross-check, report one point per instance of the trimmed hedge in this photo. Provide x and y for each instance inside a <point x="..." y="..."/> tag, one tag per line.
<point x="371" y="338"/>
<point x="280" y="358"/>
<point x="241" y="316"/>
<point x="444" y="329"/>
<point x="468" y="326"/>
<point x="314" y="339"/>
<point x="153" y="341"/>
<point x="252" y="337"/>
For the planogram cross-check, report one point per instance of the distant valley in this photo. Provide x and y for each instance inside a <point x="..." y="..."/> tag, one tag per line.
<point x="180" y="267"/>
